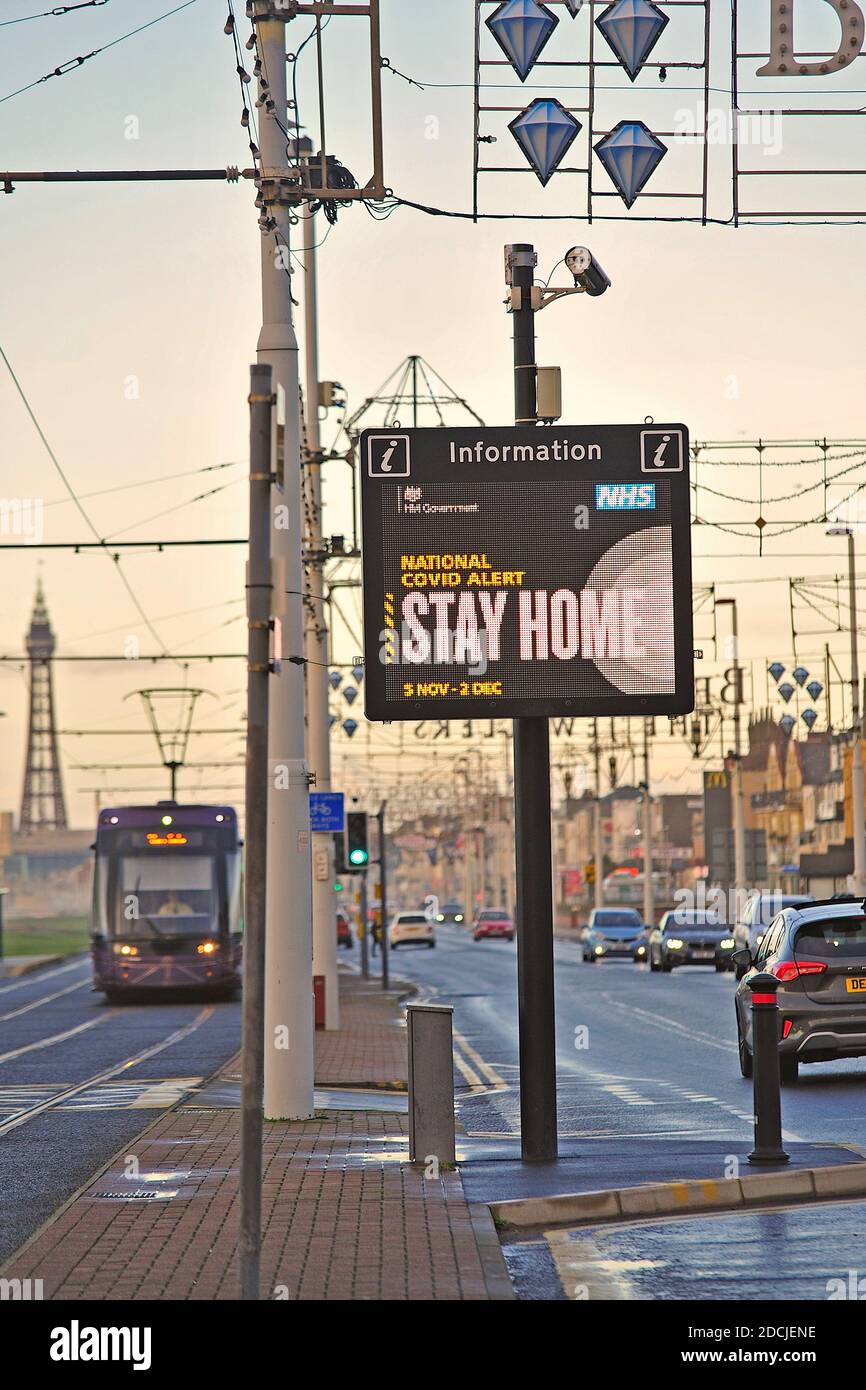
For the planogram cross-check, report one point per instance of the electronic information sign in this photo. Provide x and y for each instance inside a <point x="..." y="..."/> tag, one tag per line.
<point x="516" y="572"/>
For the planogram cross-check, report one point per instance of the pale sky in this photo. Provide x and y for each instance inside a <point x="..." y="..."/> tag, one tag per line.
<point x="130" y="314"/>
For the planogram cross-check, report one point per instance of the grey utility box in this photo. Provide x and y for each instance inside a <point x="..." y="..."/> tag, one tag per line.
<point x="431" y="1083"/>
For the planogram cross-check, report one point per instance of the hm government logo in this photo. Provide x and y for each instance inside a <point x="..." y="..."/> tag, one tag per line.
<point x="661" y="451"/>
<point x="388" y="455"/>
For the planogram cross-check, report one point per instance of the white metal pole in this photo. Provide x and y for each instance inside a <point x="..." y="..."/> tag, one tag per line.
<point x="316" y="643"/>
<point x="289" y="1022"/>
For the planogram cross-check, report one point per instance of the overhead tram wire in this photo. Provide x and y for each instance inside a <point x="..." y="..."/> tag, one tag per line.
<point x="178" y="507"/>
<point x="73" y="64"/>
<point x="145" y="482"/>
<point x="66" y="483"/>
<point x="56" y="13"/>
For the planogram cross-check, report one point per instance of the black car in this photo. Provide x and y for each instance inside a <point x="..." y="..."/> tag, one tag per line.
<point x="818" y="954"/>
<point x="451" y="912"/>
<point x="686" y="937"/>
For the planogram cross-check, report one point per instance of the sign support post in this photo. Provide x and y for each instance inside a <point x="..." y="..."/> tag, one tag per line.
<point x="535" y="987"/>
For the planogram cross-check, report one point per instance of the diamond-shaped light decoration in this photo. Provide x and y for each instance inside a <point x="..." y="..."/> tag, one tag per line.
<point x="574" y="7"/>
<point x="786" y="723"/>
<point x="814" y="688"/>
<point x="800" y="674"/>
<point x="777" y="670"/>
<point x="350" y="694"/>
<point x="334" y="679"/>
<point x="632" y="28"/>
<point x="349" y="727"/>
<point x="522" y="28"/>
<point x="358" y="672"/>
<point x="808" y="717"/>
<point x="544" y="132"/>
<point x="631" y="154"/>
<point x="786" y="691"/>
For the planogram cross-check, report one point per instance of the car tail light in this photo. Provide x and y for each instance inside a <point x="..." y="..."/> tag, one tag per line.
<point x="790" y="969"/>
<point x="787" y="1025"/>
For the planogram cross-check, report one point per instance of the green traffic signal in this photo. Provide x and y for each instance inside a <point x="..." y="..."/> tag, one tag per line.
<point x="357" y="852"/>
<point x="338" y="887"/>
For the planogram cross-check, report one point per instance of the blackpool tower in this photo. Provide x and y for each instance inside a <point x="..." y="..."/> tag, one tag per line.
<point x="42" y="803"/>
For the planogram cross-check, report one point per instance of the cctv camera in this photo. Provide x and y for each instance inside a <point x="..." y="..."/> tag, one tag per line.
<point x="588" y="274"/>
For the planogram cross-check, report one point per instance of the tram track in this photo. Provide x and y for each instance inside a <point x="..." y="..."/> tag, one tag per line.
<point x="21" y="1117"/>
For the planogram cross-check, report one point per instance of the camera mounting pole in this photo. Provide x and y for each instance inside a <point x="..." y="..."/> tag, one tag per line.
<point x="532" y="816"/>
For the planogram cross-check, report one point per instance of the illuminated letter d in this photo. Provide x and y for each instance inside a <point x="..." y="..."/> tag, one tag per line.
<point x="783" y="61"/>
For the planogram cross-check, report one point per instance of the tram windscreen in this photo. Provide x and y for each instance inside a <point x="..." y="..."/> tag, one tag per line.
<point x="165" y="896"/>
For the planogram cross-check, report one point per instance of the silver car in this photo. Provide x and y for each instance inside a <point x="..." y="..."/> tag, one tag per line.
<point x="818" y="954"/>
<point x="758" y="913"/>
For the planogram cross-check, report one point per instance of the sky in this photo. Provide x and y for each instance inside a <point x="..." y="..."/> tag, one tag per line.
<point x="130" y="315"/>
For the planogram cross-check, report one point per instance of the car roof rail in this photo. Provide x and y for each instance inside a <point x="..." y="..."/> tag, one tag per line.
<point x="835" y="901"/>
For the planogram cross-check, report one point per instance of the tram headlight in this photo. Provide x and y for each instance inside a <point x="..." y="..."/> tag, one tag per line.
<point x="206" y="948"/>
<point x="123" y="948"/>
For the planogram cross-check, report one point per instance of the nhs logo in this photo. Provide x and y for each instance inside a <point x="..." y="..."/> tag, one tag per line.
<point x="625" y="497"/>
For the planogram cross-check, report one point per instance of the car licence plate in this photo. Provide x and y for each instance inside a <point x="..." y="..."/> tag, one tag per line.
<point x="703" y="955"/>
<point x="857" y="985"/>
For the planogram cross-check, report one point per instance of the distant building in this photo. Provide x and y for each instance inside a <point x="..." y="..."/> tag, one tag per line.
<point x="42" y="802"/>
<point x="45" y="866"/>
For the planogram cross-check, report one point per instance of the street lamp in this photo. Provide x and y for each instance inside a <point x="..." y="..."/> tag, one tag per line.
<point x="858" y="792"/>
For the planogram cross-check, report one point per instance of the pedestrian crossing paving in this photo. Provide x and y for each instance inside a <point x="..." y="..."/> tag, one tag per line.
<point x="104" y="1095"/>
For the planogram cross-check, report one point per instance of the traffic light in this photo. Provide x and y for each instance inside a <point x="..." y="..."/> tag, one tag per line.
<point x="339" y="856"/>
<point x="589" y="872"/>
<point x="357" y="853"/>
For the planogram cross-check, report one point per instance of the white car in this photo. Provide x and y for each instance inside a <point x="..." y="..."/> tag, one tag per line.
<point x="411" y="926"/>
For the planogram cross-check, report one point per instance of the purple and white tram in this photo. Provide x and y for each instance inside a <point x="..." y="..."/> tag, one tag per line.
<point x="167" y="901"/>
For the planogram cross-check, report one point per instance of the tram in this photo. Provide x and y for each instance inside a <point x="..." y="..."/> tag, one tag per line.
<point x="167" y="900"/>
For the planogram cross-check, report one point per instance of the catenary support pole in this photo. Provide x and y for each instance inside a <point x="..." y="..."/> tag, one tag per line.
<point x="532" y="820"/>
<point x="739" y="801"/>
<point x="289" y="1017"/>
<point x="597" y="840"/>
<point x="736" y="773"/>
<point x="255" y="875"/>
<point x="316" y="639"/>
<point x="858" y="806"/>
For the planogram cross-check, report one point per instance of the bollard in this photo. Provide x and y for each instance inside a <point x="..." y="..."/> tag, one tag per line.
<point x="431" y="1083"/>
<point x="765" y="1055"/>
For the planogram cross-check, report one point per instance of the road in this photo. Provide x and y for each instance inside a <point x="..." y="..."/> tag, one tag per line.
<point x="649" y="1060"/>
<point x="639" y="1055"/>
<point x="80" y="1079"/>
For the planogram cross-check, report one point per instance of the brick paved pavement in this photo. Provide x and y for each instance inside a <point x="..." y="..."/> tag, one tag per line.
<point x="345" y="1215"/>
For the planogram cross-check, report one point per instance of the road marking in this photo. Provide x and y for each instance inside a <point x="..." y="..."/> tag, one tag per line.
<point x="55" y="1038"/>
<point x="37" y="976"/>
<point x="62" y="1096"/>
<point x="107" y="1095"/>
<point x="485" y="1068"/>
<point x="43" y="999"/>
<point x="669" y="1025"/>
<point x="161" y="1094"/>
<point x="628" y="1095"/>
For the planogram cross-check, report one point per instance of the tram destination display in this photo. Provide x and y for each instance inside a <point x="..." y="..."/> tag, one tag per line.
<point x="519" y="572"/>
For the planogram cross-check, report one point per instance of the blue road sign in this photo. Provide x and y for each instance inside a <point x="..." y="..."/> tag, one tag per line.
<point x="327" y="811"/>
